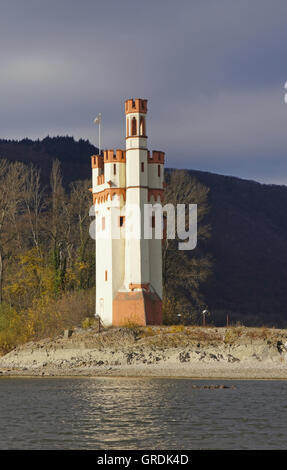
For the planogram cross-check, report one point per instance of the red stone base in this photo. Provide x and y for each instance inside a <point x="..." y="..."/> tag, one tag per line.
<point x="138" y="307"/>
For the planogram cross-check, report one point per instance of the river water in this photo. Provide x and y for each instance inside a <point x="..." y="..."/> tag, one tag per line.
<point x="130" y="413"/>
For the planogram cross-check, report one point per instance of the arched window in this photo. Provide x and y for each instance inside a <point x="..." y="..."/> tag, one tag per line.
<point x="142" y="126"/>
<point x="134" y="126"/>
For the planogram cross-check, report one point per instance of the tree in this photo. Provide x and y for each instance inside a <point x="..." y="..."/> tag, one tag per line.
<point x="59" y="227"/>
<point x="80" y="241"/>
<point x="11" y="197"/>
<point x="34" y="201"/>
<point x="185" y="271"/>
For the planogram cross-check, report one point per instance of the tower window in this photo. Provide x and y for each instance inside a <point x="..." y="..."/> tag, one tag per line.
<point x="134" y="126"/>
<point x="106" y="275"/>
<point x="142" y="167"/>
<point x="115" y="169"/>
<point x="158" y="170"/>
<point x="142" y="126"/>
<point x="121" y="221"/>
<point x="103" y="223"/>
<point x="153" y="221"/>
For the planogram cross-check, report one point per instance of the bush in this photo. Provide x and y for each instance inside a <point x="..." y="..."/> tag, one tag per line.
<point x="89" y="322"/>
<point x="133" y="327"/>
<point x="49" y="317"/>
<point x="12" y="328"/>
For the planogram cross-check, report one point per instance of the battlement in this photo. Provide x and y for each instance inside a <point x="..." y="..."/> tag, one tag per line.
<point x="136" y="105"/>
<point x="97" y="161"/>
<point x="111" y="157"/>
<point x="157" y="157"/>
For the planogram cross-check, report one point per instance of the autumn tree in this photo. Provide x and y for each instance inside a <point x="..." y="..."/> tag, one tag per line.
<point x="185" y="271"/>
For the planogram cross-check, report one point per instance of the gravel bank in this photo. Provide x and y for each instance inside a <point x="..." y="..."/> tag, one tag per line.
<point x="234" y="353"/>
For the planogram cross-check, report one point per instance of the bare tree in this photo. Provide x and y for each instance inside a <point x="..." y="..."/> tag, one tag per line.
<point x="11" y="197"/>
<point x="80" y="202"/>
<point x="184" y="271"/>
<point x="34" y="201"/>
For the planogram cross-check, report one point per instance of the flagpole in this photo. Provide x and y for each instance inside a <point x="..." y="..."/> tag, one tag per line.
<point x="100" y="134"/>
<point x="98" y="121"/>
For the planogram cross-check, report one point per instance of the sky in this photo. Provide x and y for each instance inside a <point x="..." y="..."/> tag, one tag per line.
<point x="213" y="72"/>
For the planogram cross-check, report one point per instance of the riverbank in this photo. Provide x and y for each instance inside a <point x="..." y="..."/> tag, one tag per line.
<point x="175" y="351"/>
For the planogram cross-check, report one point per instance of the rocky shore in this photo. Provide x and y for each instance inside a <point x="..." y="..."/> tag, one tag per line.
<point x="176" y="351"/>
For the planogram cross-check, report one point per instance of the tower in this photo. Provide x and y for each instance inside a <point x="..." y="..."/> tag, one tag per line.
<point x="128" y="269"/>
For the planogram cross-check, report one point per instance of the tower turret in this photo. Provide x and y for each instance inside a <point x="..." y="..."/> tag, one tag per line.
<point x="129" y="269"/>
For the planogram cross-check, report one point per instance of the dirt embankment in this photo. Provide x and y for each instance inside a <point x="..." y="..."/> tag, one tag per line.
<point x="176" y="351"/>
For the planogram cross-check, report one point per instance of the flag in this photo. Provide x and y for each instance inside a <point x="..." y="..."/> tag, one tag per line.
<point x="98" y="119"/>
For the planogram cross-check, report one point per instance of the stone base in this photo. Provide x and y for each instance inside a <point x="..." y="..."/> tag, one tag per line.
<point x="138" y="307"/>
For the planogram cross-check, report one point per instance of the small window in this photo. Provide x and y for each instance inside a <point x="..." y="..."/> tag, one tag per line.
<point x="142" y="126"/>
<point x="134" y="126"/>
<point x="142" y="167"/>
<point x="115" y="169"/>
<point x="106" y="275"/>
<point x="153" y="221"/>
<point x="121" y="221"/>
<point x="103" y="223"/>
<point x="158" y="170"/>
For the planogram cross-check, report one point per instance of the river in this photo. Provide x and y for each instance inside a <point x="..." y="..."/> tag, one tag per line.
<point x="140" y="413"/>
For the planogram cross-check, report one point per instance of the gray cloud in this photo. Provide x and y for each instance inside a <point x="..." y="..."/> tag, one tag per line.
<point x="213" y="72"/>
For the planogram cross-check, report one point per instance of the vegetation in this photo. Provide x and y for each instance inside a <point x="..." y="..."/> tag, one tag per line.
<point x="46" y="254"/>
<point x="248" y="247"/>
<point x="47" y="257"/>
<point x="185" y="270"/>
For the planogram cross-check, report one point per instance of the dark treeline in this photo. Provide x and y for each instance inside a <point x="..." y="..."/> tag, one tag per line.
<point x="73" y="155"/>
<point x="249" y="250"/>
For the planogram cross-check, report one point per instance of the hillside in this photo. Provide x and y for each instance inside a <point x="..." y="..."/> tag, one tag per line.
<point x="249" y="232"/>
<point x="249" y="247"/>
<point x="73" y="155"/>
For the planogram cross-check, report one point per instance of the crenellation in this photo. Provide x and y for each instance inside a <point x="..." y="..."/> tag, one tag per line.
<point x="128" y="271"/>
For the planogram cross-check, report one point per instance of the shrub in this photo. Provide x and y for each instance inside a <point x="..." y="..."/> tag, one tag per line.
<point x="89" y="322"/>
<point x="49" y="317"/>
<point x="133" y="327"/>
<point x="232" y="334"/>
<point x="12" y="328"/>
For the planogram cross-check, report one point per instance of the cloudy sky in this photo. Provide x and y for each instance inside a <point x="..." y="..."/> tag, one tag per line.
<point x="213" y="72"/>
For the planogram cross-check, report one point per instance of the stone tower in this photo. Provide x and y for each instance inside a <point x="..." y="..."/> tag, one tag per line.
<point x="128" y="268"/>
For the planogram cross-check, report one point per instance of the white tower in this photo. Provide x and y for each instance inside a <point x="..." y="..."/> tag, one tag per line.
<point x="128" y="269"/>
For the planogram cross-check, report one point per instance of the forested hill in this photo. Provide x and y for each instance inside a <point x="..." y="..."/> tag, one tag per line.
<point x="73" y="155"/>
<point x="249" y="247"/>
<point x="248" y="241"/>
